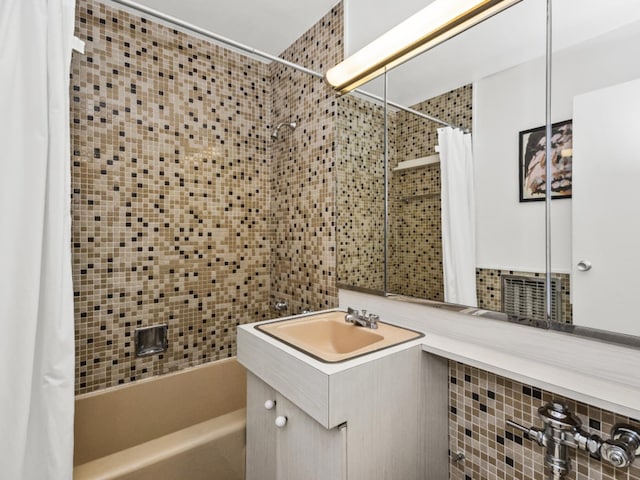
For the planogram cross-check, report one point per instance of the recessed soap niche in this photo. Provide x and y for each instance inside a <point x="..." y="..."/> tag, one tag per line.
<point x="151" y="340"/>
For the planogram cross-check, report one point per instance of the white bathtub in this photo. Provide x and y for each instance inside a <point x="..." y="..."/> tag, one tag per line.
<point x="185" y="425"/>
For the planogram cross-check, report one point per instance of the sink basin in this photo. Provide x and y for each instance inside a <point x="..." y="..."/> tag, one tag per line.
<point x="328" y="338"/>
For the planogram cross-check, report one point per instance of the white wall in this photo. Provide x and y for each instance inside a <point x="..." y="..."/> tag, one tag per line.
<point x="511" y="234"/>
<point x="366" y="20"/>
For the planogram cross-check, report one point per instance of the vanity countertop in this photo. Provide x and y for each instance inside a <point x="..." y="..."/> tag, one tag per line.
<point x="598" y="373"/>
<point x="602" y="374"/>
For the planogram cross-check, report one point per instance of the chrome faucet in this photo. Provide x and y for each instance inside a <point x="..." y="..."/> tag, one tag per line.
<point x="364" y="319"/>
<point x="280" y="306"/>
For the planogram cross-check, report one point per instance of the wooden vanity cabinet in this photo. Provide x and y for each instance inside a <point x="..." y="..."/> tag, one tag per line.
<point x="394" y="408"/>
<point x="299" y="449"/>
<point x="261" y="449"/>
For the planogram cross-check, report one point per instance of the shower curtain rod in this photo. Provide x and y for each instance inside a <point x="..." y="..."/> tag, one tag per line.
<point x="409" y="110"/>
<point x="213" y="36"/>
<point x="245" y="48"/>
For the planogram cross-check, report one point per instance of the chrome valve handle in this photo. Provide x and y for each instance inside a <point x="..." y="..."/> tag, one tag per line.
<point x="622" y="448"/>
<point x="532" y="433"/>
<point x="563" y="429"/>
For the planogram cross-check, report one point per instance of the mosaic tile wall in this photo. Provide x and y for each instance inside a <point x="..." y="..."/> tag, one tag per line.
<point x="170" y="172"/>
<point x="415" y="263"/>
<point x="360" y="199"/>
<point x="415" y="251"/>
<point x="302" y="218"/>
<point x="489" y="286"/>
<point x="479" y="405"/>
<point x="418" y="137"/>
<point x="185" y="210"/>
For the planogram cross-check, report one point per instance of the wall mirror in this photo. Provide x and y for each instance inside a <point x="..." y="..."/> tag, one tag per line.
<point x="491" y="79"/>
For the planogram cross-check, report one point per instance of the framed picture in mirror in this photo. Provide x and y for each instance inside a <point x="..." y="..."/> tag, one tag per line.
<point x="532" y="162"/>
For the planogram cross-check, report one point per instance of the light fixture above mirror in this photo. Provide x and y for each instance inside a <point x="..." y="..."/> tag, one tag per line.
<point x="434" y="24"/>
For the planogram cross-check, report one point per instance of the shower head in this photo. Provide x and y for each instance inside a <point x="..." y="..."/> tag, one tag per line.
<point x="276" y="132"/>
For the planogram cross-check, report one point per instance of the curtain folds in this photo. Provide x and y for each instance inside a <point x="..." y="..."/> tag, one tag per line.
<point x="36" y="293"/>
<point x="458" y="216"/>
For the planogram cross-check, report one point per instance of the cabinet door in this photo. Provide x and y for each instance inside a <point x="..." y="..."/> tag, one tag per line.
<point x="307" y="450"/>
<point x="261" y="431"/>
<point x="606" y="225"/>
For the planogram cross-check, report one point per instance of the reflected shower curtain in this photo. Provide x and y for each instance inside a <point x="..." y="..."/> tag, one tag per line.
<point x="458" y="216"/>
<point x="36" y="294"/>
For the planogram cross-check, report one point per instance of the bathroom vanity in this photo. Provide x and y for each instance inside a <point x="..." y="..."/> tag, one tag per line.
<point x="284" y="442"/>
<point x="384" y="415"/>
<point x="379" y="416"/>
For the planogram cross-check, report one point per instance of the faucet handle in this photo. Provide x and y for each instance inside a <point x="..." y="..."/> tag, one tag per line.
<point x="351" y="315"/>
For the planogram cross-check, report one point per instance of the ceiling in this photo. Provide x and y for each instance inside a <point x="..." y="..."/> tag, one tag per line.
<point x="266" y="25"/>
<point x="501" y="42"/>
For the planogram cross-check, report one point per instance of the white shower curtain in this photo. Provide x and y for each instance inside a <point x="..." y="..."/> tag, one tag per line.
<point x="458" y="216"/>
<point x="36" y="294"/>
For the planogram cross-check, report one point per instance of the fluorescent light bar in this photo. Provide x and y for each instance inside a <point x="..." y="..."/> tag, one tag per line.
<point x="431" y="26"/>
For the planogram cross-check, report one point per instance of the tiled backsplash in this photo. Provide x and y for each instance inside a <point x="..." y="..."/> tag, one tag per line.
<point x="479" y="405"/>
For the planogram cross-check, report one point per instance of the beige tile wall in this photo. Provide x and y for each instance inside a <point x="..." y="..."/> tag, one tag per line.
<point x="360" y="198"/>
<point x="415" y="261"/>
<point x="479" y="405"/>
<point x="303" y="182"/>
<point x="173" y="171"/>
<point x="415" y="241"/>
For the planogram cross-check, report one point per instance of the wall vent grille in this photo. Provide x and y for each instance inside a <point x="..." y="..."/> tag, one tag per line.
<point x="523" y="297"/>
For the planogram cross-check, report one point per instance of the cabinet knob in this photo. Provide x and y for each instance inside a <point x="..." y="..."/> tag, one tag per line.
<point x="281" y="421"/>
<point x="269" y="404"/>
<point x="584" y="265"/>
